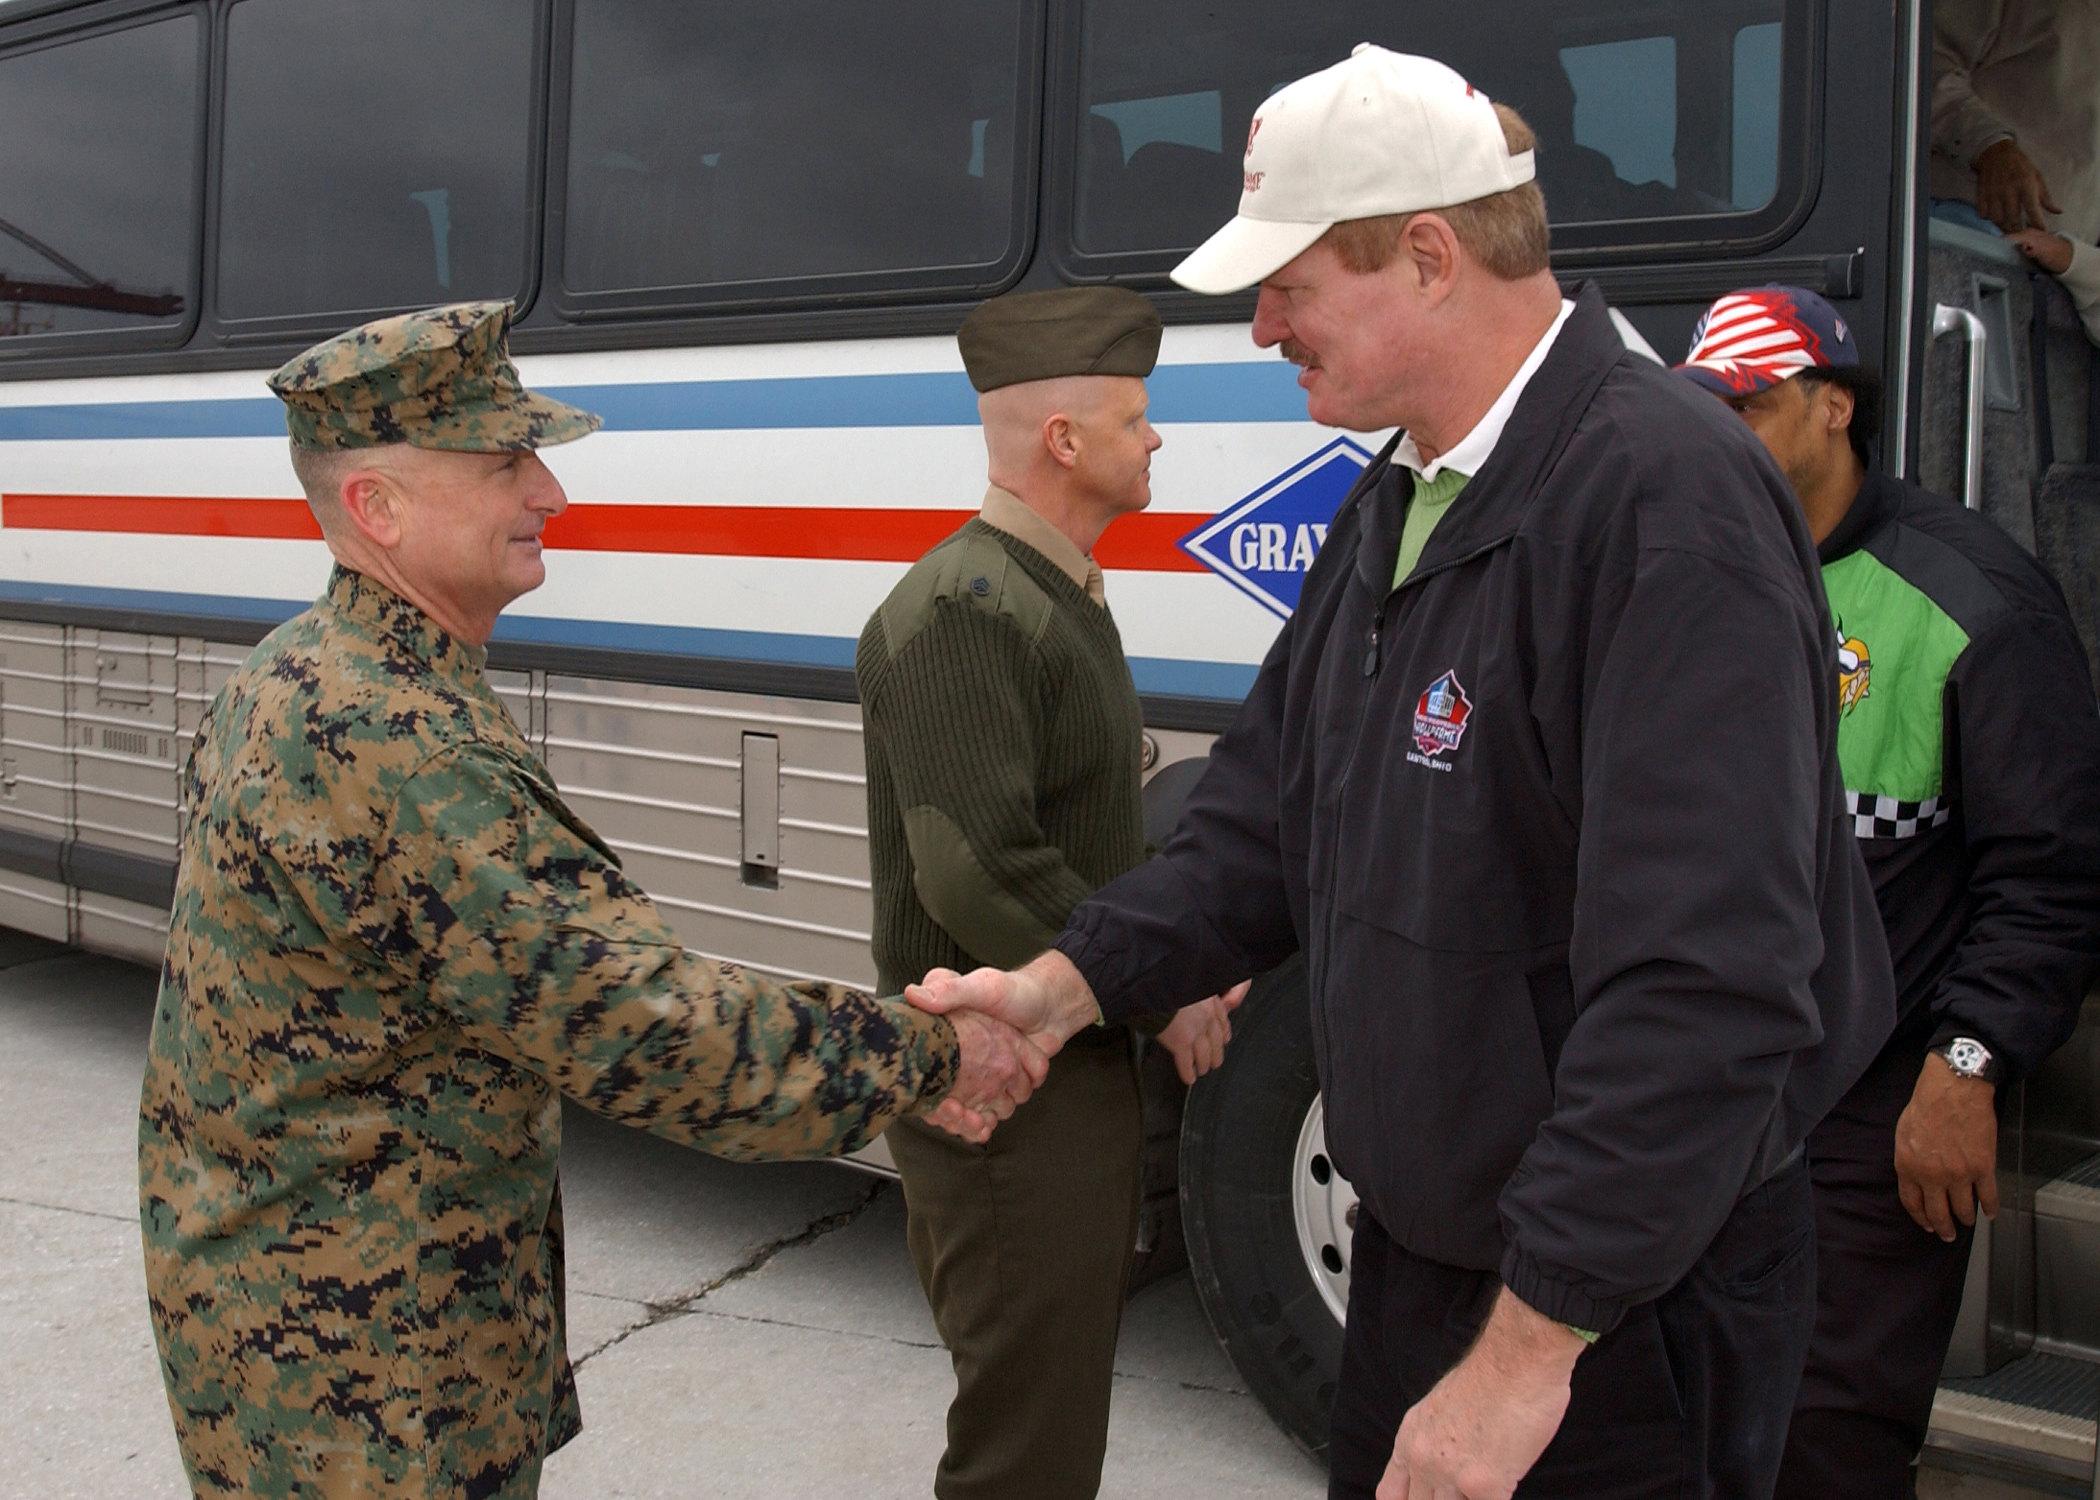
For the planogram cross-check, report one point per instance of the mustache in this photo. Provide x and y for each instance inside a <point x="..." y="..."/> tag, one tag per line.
<point x="1298" y="354"/>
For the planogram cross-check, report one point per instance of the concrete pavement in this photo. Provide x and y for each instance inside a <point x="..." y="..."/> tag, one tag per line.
<point x="739" y="1330"/>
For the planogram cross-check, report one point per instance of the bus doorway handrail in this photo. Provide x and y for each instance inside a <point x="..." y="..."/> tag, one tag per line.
<point x="1966" y="325"/>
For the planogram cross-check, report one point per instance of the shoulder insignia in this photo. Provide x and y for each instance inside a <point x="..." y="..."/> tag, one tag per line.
<point x="972" y="569"/>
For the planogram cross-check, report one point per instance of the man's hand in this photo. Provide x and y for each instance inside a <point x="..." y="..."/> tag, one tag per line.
<point x="2052" y="252"/>
<point x="1488" y="1420"/>
<point x="1048" y="1001"/>
<point x="1000" y="1068"/>
<point x="2010" y="191"/>
<point x="1198" y="1033"/>
<point x="1947" y="1150"/>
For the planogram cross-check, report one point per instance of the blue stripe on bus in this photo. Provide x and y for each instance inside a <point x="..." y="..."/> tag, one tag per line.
<point x="1153" y="674"/>
<point x="681" y="640"/>
<point x="1258" y="392"/>
<point x="102" y="421"/>
<point x="1192" y="679"/>
<point x="153" y="601"/>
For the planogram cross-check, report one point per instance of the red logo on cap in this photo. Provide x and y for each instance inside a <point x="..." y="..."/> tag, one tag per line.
<point x="1253" y="130"/>
<point x="1253" y="181"/>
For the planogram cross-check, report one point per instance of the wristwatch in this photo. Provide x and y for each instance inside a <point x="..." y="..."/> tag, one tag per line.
<point x="1968" y="1058"/>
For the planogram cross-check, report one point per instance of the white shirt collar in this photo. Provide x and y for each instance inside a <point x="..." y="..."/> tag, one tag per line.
<point x="1470" y="452"/>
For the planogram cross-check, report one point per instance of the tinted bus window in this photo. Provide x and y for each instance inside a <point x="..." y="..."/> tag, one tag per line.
<point x="738" y="143"/>
<point x="379" y="154"/>
<point x="99" y="181"/>
<point x="1643" y="110"/>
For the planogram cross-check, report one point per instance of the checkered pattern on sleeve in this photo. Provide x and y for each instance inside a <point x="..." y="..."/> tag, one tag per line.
<point x="1886" y="818"/>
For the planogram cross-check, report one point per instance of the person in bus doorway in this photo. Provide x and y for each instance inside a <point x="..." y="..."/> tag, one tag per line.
<point x="1542" y="777"/>
<point x="1970" y="745"/>
<point x="2016" y="132"/>
<point x="1004" y="742"/>
<point x="2015" y="117"/>
<point x="393" y="949"/>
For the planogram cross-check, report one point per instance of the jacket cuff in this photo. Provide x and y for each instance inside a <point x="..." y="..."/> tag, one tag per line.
<point x="2081" y="278"/>
<point x="1967" y="130"/>
<point x="931" y="1051"/>
<point x="1077" y="944"/>
<point x="1951" y="1027"/>
<point x="1985" y="134"/>
<point x="1548" y="1291"/>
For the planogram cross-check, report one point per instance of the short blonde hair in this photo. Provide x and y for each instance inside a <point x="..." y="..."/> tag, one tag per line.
<point x="320" y="471"/>
<point x="1505" y="232"/>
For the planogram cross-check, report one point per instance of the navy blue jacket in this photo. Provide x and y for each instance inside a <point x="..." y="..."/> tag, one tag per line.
<point x="1559" y="826"/>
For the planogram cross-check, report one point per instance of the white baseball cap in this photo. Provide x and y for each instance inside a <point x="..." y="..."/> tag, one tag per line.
<point x="1380" y="133"/>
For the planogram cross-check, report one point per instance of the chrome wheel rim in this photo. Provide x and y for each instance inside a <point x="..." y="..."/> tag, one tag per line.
<point x="1324" y="1207"/>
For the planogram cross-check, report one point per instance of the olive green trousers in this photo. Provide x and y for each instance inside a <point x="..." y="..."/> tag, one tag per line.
<point x="1024" y="1247"/>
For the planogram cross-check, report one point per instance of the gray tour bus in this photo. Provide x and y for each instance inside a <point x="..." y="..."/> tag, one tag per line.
<point x="747" y="235"/>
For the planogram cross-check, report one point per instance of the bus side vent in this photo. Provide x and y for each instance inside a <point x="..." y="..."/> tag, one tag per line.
<point x="761" y="810"/>
<point x="124" y="741"/>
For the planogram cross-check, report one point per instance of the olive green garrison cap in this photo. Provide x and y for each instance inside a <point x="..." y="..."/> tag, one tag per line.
<point x="441" y="378"/>
<point x="1074" y="330"/>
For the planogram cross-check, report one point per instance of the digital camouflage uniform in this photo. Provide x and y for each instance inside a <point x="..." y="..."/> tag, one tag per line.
<point x="392" y="949"/>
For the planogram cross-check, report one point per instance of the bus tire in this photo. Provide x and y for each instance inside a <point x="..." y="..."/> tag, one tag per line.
<point x="1240" y="1144"/>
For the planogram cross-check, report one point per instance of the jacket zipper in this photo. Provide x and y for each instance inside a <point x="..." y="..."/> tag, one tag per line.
<point x="1373" y="664"/>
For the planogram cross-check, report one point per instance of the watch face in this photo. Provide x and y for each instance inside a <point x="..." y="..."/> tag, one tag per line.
<point x="1967" y="1056"/>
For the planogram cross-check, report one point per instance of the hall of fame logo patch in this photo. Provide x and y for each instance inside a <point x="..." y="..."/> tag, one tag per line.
<point x="1441" y="714"/>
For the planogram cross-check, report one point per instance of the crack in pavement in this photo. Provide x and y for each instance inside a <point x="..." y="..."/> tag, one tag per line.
<point x="809" y="1234"/>
<point x="844" y="1333"/>
<point x="60" y="1208"/>
<point x="1183" y="1385"/>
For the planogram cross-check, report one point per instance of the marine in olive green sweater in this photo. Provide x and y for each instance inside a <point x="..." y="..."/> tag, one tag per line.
<point x="1003" y="741"/>
<point x="987" y="827"/>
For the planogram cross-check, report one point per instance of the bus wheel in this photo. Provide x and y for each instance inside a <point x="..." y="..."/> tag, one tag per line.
<point x="1266" y="1215"/>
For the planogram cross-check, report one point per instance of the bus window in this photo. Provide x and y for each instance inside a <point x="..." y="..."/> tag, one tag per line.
<point x="1626" y="105"/>
<point x="719" y="146"/>
<point x="378" y="154"/>
<point x="98" y="206"/>
<point x="1755" y="151"/>
<point x="1644" y="109"/>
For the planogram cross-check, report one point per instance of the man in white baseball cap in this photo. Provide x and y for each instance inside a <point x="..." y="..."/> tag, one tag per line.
<point x="1542" y="777"/>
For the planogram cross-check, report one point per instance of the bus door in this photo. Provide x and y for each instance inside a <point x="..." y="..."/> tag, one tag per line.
<point x="1992" y="405"/>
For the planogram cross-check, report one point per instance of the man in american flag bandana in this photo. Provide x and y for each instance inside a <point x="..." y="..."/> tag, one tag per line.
<point x="1971" y="756"/>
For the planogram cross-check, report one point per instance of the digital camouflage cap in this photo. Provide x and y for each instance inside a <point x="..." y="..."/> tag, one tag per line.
<point x="441" y="379"/>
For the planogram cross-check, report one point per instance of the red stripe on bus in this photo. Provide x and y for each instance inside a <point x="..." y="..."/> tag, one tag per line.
<point x="1137" y="543"/>
<point x="158" y="515"/>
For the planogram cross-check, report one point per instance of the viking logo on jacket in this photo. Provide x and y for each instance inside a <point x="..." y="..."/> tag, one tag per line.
<point x="1440" y="722"/>
<point x="1855" y="671"/>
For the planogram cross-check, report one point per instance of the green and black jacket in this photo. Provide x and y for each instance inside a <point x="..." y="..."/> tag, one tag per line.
<point x="1971" y="754"/>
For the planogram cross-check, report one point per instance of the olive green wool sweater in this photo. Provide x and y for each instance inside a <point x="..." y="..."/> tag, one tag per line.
<point x="1004" y="744"/>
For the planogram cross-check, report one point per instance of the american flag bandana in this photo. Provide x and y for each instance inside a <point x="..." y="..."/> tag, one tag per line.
<point x="1750" y="341"/>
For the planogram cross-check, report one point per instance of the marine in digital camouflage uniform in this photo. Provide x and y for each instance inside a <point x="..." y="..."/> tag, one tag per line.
<point x="393" y="947"/>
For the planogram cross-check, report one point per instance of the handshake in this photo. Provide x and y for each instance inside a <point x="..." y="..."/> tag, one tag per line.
<point x="1010" y="1023"/>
